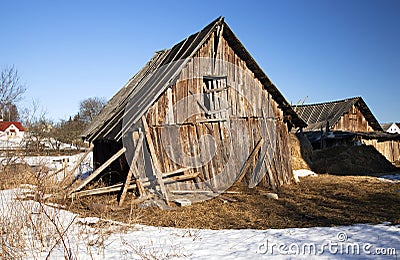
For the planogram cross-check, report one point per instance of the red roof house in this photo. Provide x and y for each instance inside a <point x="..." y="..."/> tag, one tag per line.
<point x="11" y="129"/>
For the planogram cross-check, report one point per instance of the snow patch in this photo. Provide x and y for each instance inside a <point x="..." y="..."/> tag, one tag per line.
<point x="391" y="177"/>
<point x="303" y="173"/>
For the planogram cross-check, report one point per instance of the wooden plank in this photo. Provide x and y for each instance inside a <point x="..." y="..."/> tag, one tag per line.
<point x="117" y="187"/>
<point x="215" y="89"/>
<point x="98" y="191"/>
<point x="181" y="178"/>
<point x="140" y="188"/>
<point x="154" y="159"/>
<point x="170" y="106"/>
<point x="166" y="174"/>
<point x="249" y="160"/>
<point x="202" y="150"/>
<point x="70" y="178"/>
<point x="132" y="169"/>
<point x="100" y="169"/>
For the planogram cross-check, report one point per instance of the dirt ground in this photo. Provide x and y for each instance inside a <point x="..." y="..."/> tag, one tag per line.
<point x="325" y="200"/>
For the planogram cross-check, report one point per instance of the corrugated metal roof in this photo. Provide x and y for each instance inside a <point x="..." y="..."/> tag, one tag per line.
<point x="316" y="115"/>
<point x="386" y="126"/>
<point x="144" y="88"/>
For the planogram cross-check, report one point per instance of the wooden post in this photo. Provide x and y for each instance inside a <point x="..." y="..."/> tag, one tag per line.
<point x="154" y="159"/>
<point x="99" y="170"/>
<point x="69" y="179"/>
<point x="247" y="164"/>
<point x="132" y="169"/>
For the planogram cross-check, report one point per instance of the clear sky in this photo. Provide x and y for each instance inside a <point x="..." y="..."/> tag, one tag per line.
<point x="316" y="51"/>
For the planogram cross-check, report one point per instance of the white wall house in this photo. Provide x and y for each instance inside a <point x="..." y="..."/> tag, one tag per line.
<point x="393" y="128"/>
<point x="11" y="130"/>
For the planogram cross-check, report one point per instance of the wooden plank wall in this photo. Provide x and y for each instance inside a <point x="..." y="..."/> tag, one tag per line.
<point x="389" y="149"/>
<point x="353" y="121"/>
<point x="234" y="138"/>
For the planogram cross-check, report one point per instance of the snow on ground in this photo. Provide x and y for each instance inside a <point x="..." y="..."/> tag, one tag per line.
<point x="303" y="173"/>
<point x="18" y="142"/>
<point x="391" y="177"/>
<point x="11" y="143"/>
<point x="93" y="238"/>
<point x="55" y="163"/>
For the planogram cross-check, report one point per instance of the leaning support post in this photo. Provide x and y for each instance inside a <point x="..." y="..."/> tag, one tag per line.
<point x="99" y="170"/>
<point x="132" y="170"/>
<point x="155" y="160"/>
<point x="249" y="159"/>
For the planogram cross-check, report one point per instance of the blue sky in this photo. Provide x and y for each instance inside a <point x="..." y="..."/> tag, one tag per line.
<point x="316" y="51"/>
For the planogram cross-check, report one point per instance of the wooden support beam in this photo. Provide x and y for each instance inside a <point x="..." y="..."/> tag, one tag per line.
<point x="214" y="191"/>
<point x="58" y="171"/>
<point x="98" y="191"/>
<point x="176" y="172"/>
<point x="132" y="170"/>
<point x="99" y="170"/>
<point x="140" y="188"/>
<point x="70" y="178"/>
<point x="170" y="179"/>
<point x="154" y="159"/>
<point x="249" y="159"/>
<point x="117" y="187"/>
<point x="181" y="178"/>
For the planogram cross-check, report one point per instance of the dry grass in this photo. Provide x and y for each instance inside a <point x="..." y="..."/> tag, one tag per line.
<point x="14" y="174"/>
<point x="325" y="200"/>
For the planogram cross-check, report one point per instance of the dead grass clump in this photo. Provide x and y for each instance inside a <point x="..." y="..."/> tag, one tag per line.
<point x="13" y="175"/>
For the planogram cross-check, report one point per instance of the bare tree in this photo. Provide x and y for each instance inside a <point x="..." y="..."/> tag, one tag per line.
<point x="11" y="90"/>
<point x="69" y="131"/>
<point x="39" y="127"/>
<point x="89" y="108"/>
<point x="11" y="113"/>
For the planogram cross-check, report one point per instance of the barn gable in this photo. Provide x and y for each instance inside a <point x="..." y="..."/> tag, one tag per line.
<point x="350" y="114"/>
<point x="196" y="119"/>
<point x="145" y="90"/>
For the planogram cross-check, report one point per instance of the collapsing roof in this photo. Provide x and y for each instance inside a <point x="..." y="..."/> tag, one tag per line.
<point x="143" y="89"/>
<point x="317" y="115"/>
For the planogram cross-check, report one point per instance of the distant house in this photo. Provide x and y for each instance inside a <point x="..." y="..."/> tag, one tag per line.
<point x="11" y="130"/>
<point x="393" y="128"/>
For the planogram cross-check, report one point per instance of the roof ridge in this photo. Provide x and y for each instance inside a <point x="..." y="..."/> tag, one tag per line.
<point x="330" y="102"/>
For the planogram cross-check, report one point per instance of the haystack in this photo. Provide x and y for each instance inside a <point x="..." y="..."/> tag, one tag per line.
<point x="301" y="151"/>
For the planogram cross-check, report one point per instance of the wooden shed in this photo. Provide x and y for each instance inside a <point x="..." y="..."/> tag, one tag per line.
<point x="351" y="114"/>
<point x="194" y="120"/>
<point x="347" y="121"/>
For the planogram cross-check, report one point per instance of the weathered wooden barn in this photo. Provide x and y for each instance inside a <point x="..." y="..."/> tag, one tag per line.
<point x="194" y="120"/>
<point x="350" y="114"/>
<point x="347" y="121"/>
